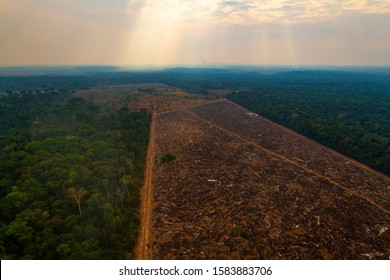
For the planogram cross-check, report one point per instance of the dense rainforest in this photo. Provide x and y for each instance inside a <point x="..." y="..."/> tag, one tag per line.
<point x="70" y="174"/>
<point x="347" y="112"/>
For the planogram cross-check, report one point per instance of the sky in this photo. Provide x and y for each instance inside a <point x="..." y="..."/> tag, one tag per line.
<point x="194" y="32"/>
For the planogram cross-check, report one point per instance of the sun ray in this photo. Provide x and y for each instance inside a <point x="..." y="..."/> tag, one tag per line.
<point x="157" y="32"/>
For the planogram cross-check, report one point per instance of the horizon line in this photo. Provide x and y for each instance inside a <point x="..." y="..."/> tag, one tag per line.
<point x="213" y="65"/>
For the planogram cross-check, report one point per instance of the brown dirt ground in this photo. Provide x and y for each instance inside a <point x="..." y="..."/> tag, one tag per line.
<point x="242" y="187"/>
<point x="154" y="97"/>
<point x="145" y="212"/>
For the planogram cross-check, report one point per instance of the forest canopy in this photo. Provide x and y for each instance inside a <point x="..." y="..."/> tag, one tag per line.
<point x="70" y="174"/>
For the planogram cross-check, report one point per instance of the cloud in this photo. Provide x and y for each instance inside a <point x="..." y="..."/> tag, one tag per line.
<point x="237" y="5"/>
<point x="255" y="11"/>
<point x="192" y="31"/>
<point x="133" y="7"/>
<point x="288" y="11"/>
<point x="209" y="11"/>
<point x="214" y="11"/>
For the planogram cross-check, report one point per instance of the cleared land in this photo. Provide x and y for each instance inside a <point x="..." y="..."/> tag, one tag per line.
<point x="242" y="187"/>
<point x="154" y="97"/>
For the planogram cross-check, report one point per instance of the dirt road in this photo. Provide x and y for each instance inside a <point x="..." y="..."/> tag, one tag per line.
<point x="142" y="248"/>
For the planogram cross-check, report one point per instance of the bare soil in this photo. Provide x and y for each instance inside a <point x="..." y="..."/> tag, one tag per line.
<point x="242" y="187"/>
<point x="154" y="97"/>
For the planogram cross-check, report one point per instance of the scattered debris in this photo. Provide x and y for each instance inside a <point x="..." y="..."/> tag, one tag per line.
<point x="382" y="230"/>
<point x="252" y="114"/>
<point x="318" y="220"/>
<point x="316" y="207"/>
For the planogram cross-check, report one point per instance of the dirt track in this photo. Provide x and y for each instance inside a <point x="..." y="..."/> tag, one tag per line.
<point x="142" y="251"/>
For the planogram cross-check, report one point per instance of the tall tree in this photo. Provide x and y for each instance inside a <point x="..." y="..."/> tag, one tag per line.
<point x="77" y="195"/>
